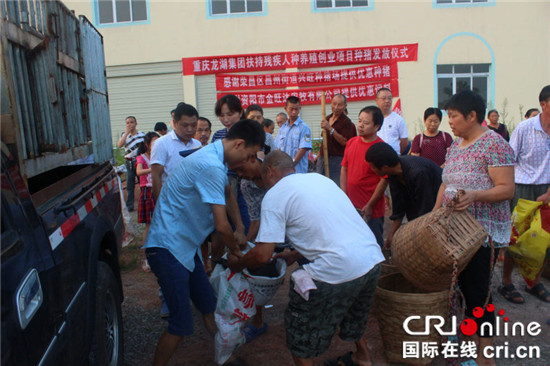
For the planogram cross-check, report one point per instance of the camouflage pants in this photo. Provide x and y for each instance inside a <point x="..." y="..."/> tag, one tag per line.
<point x="310" y="325"/>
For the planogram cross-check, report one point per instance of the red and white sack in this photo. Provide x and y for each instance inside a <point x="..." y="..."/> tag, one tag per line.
<point x="234" y="308"/>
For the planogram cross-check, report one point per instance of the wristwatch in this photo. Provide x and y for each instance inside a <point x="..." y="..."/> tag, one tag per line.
<point x="332" y="131"/>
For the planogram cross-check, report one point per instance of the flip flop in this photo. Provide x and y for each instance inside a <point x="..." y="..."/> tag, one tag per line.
<point x="511" y="294"/>
<point x="539" y="291"/>
<point x="344" y="360"/>
<point x="250" y="332"/>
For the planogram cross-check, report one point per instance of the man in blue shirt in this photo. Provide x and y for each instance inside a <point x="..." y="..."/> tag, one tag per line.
<point x="294" y="136"/>
<point x="192" y="203"/>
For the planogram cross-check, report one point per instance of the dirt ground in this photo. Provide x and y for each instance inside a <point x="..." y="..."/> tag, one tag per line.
<point x="143" y="325"/>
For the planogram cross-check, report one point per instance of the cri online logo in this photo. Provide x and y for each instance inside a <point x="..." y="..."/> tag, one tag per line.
<point x="469" y="327"/>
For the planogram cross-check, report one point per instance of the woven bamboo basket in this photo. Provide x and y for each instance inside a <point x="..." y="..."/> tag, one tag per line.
<point x="388" y="267"/>
<point x="433" y="248"/>
<point x="396" y="299"/>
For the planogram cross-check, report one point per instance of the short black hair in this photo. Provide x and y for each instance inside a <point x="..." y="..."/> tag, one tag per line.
<point x="544" y="94"/>
<point x="249" y="130"/>
<point x="254" y="107"/>
<point x="529" y="111"/>
<point x="381" y="90"/>
<point x="293" y="100"/>
<point x="233" y="103"/>
<point x="267" y="123"/>
<point x="206" y="120"/>
<point x="467" y="101"/>
<point x="491" y="111"/>
<point x="376" y="113"/>
<point x="142" y="149"/>
<point x="130" y="117"/>
<point x="184" y="109"/>
<point x="433" y="110"/>
<point x="160" y="126"/>
<point x="382" y="154"/>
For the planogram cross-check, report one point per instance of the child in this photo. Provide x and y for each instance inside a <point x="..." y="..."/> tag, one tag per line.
<point x="146" y="201"/>
<point x="363" y="187"/>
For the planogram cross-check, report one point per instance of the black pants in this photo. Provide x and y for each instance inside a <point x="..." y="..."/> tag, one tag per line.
<point x="475" y="284"/>
<point x="130" y="182"/>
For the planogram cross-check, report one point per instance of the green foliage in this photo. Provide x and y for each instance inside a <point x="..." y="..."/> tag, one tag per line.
<point x="119" y="156"/>
<point x="503" y="112"/>
<point x="316" y="146"/>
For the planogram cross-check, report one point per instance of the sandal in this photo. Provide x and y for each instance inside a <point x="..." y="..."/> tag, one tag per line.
<point x="250" y="332"/>
<point x="539" y="291"/>
<point x="344" y="360"/>
<point x="511" y="294"/>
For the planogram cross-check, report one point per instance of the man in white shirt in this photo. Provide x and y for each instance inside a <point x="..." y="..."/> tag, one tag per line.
<point x="394" y="130"/>
<point x="324" y="227"/>
<point x="165" y="155"/>
<point x="531" y="143"/>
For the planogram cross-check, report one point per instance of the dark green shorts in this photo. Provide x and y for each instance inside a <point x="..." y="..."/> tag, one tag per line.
<point x="310" y="325"/>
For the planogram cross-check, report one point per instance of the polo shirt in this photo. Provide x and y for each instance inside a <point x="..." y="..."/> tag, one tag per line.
<point x="531" y="147"/>
<point x="166" y="152"/>
<point x="393" y="129"/>
<point x="292" y="138"/>
<point x="183" y="216"/>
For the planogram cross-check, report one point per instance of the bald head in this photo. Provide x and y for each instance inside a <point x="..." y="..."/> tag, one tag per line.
<point x="277" y="164"/>
<point x="338" y="104"/>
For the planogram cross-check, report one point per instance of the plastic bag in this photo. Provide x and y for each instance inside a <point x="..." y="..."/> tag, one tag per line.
<point x="235" y="307"/>
<point x="530" y="237"/>
<point x="129" y="231"/>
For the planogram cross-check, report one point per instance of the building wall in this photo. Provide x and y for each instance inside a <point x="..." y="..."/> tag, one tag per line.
<point x="511" y="36"/>
<point x="147" y="91"/>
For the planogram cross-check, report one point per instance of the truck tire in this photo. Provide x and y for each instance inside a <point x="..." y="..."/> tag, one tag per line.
<point x="107" y="346"/>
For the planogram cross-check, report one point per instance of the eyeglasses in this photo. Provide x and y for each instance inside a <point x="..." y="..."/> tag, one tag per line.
<point x="385" y="98"/>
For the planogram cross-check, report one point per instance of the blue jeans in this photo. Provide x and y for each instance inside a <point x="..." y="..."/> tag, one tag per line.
<point x="178" y="286"/>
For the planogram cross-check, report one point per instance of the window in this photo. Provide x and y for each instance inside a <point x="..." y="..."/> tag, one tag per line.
<point x="452" y="79"/>
<point x="224" y="7"/>
<point x="121" y="11"/>
<point x="340" y="4"/>
<point x="461" y="3"/>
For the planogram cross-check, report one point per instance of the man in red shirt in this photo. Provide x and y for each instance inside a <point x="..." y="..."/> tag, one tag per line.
<point x="364" y="187"/>
<point x="339" y="130"/>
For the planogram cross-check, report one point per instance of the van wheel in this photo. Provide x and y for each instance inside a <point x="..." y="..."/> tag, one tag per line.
<point x="107" y="347"/>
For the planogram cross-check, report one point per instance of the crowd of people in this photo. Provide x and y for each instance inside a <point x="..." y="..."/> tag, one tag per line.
<point x="201" y="199"/>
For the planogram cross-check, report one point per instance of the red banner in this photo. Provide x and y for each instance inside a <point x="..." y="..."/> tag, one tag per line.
<point x="299" y="59"/>
<point x="277" y="98"/>
<point x="397" y="107"/>
<point x="363" y="74"/>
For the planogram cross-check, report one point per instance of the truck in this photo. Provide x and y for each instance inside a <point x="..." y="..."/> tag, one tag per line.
<point x="62" y="226"/>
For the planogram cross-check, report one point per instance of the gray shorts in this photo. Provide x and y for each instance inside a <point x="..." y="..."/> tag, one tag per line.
<point x="310" y="325"/>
